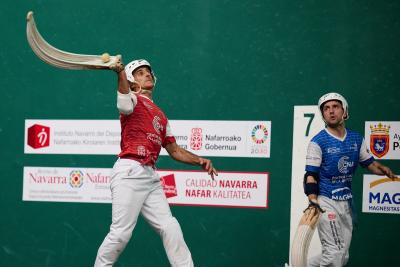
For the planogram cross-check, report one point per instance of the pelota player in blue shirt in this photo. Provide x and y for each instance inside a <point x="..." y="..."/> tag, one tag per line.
<point x="332" y="158"/>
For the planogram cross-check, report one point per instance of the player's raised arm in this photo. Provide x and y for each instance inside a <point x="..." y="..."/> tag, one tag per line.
<point x="123" y="85"/>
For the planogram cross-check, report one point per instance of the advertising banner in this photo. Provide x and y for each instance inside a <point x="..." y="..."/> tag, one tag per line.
<point x="383" y="139"/>
<point x="195" y="188"/>
<point x="102" y="137"/>
<point x="381" y="194"/>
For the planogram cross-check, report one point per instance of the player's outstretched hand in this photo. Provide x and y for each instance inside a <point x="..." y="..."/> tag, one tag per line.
<point x="207" y="165"/>
<point x="388" y="172"/>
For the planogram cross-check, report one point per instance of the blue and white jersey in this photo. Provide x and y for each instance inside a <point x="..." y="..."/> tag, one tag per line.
<point x="336" y="160"/>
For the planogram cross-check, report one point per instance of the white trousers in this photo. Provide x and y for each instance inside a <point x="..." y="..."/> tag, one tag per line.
<point x="335" y="228"/>
<point x="137" y="189"/>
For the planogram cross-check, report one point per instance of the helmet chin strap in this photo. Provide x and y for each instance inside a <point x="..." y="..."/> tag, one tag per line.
<point x="137" y="91"/>
<point x="343" y="119"/>
<point x="141" y="90"/>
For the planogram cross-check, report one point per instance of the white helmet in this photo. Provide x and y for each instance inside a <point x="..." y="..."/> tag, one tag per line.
<point x="334" y="96"/>
<point x="133" y="65"/>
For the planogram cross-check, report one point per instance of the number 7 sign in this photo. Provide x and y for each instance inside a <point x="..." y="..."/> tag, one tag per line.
<point x="307" y="122"/>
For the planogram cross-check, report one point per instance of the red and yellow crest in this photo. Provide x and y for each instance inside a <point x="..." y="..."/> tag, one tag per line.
<point x="379" y="139"/>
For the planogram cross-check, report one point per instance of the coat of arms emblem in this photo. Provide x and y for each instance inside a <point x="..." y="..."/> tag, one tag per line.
<point x="379" y="139"/>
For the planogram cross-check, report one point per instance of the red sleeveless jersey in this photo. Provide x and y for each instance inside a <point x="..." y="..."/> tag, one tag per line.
<point x="143" y="132"/>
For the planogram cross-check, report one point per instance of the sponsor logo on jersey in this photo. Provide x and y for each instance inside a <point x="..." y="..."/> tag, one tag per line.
<point x="154" y="138"/>
<point x="259" y="134"/>
<point x="332" y="150"/>
<point x="196" y="139"/>
<point x="379" y="139"/>
<point x="343" y="193"/>
<point x="344" y="164"/>
<point x="354" y="147"/>
<point x="342" y="178"/>
<point x="169" y="185"/>
<point x="141" y="151"/>
<point x="157" y="125"/>
<point x="343" y="197"/>
<point x="38" y="136"/>
<point x="76" y="178"/>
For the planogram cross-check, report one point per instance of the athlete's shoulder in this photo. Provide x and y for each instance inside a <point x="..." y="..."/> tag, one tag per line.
<point x="354" y="135"/>
<point x="147" y="102"/>
<point x="144" y="98"/>
<point x="320" y="137"/>
<point x="352" y="132"/>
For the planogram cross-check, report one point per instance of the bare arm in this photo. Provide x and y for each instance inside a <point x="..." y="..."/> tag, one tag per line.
<point x="125" y="101"/>
<point x="123" y="84"/>
<point x="380" y="169"/>
<point x="182" y="155"/>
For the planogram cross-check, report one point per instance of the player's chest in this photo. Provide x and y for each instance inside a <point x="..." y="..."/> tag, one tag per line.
<point x="346" y="153"/>
<point x="151" y="116"/>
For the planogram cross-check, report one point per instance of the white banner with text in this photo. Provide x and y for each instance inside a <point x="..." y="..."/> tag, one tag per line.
<point x="102" y="137"/>
<point x="195" y="188"/>
<point x="381" y="194"/>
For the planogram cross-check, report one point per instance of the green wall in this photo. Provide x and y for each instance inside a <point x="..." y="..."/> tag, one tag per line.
<point x="215" y="60"/>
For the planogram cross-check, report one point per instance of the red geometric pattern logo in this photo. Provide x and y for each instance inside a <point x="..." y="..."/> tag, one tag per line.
<point x="76" y="178"/>
<point x="169" y="185"/>
<point x="196" y="139"/>
<point x="38" y="136"/>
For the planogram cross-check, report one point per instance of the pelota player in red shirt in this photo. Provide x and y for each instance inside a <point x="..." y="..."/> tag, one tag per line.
<point x="135" y="185"/>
